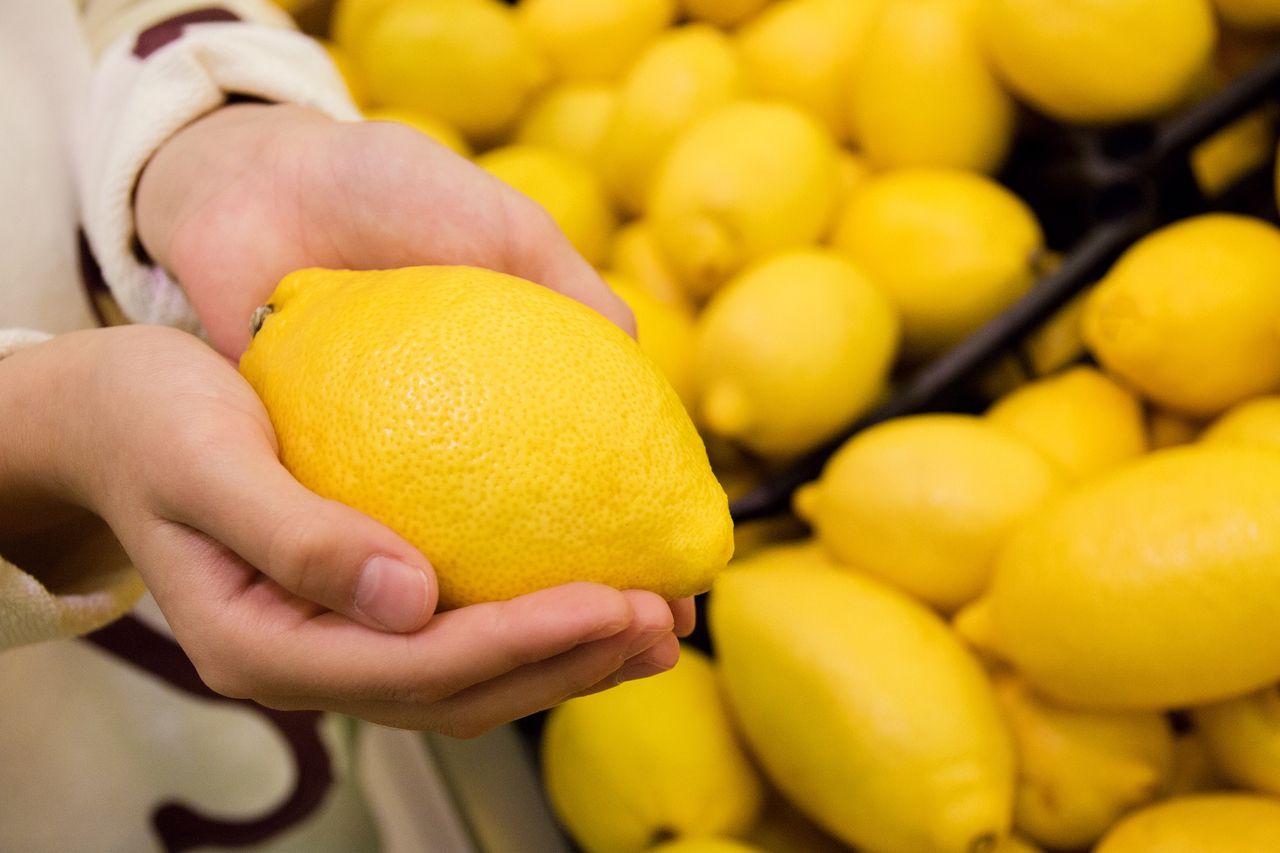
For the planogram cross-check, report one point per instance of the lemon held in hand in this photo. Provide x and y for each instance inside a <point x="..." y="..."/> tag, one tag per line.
<point x="513" y="435"/>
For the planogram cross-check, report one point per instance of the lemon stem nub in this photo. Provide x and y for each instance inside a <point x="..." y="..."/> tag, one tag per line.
<point x="260" y="316"/>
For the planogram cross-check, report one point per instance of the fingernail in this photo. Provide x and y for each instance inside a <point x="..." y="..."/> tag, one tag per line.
<point x="643" y="642"/>
<point x="644" y="669"/>
<point x="392" y="593"/>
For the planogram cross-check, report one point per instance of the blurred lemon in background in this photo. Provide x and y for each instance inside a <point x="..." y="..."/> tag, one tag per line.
<point x="791" y="350"/>
<point x="665" y="332"/>
<point x="864" y="708"/>
<point x="1223" y="823"/>
<point x="650" y="759"/>
<point x="922" y="94"/>
<point x="593" y="40"/>
<point x="1188" y="315"/>
<point x="464" y="61"/>
<point x="803" y="51"/>
<point x="924" y="503"/>
<point x="568" y="190"/>
<point x="1147" y="588"/>
<point x="684" y="74"/>
<point x="1080" y="419"/>
<point x="951" y="249"/>
<point x="1100" y="62"/>
<point x="1079" y="771"/>
<point x="634" y="253"/>
<point x="747" y="180"/>
<point x="570" y="118"/>
<point x="1254" y="423"/>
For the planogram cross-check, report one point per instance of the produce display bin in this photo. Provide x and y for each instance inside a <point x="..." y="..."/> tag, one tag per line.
<point x="1095" y="192"/>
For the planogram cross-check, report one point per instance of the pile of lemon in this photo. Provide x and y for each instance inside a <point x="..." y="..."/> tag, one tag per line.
<point x="1055" y="625"/>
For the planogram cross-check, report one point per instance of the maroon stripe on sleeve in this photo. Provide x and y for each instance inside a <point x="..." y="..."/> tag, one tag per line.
<point x="155" y="37"/>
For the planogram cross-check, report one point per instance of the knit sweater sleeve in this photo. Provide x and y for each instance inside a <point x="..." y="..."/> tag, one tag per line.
<point x="158" y="66"/>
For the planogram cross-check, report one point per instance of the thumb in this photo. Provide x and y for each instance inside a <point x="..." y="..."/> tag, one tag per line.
<point x="318" y="549"/>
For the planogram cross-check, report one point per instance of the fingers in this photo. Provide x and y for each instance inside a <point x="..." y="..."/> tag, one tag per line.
<point x="327" y="658"/>
<point x="316" y="549"/>
<point x="685" y="616"/>
<point x="661" y="657"/>
<point x="466" y="671"/>
<point x="535" y="687"/>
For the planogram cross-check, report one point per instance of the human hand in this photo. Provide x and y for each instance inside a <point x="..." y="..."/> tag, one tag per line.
<point x="261" y="580"/>
<point x="252" y="192"/>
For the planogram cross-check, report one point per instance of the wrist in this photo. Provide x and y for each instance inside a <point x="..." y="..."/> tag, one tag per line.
<point x="43" y="396"/>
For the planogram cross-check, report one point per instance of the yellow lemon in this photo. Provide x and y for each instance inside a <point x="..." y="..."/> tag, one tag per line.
<point x="1261" y="15"/>
<point x="748" y="180"/>
<point x="1080" y="419"/>
<point x="792" y="350"/>
<point x="593" y="40"/>
<point x="1190" y="315"/>
<point x="570" y="118"/>
<point x="925" y="502"/>
<point x="864" y="708"/>
<point x="802" y="51"/>
<point x="649" y="761"/>
<point x="635" y="254"/>
<point x="1242" y="736"/>
<point x="951" y="249"/>
<point x="433" y="127"/>
<point x="1103" y="60"/>
<point x="922" y="94"/>
<point x="722" y="13"/>
<point x="1151" y="587"/>
<point x="513" y="435"/>
<point x="665" y="332"/>
<point x="1222" y="823"/>
<point x="564" y="186"/>
<point x="1254" y="423"/>
<point x="464" y="61"/>
<point x="1234" y="151"/>
<point x="1078" y="771"/>
<point x="687" y="72"/>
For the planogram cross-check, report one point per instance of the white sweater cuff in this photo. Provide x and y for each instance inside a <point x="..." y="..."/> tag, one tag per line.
<point x="142" y="94"/>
